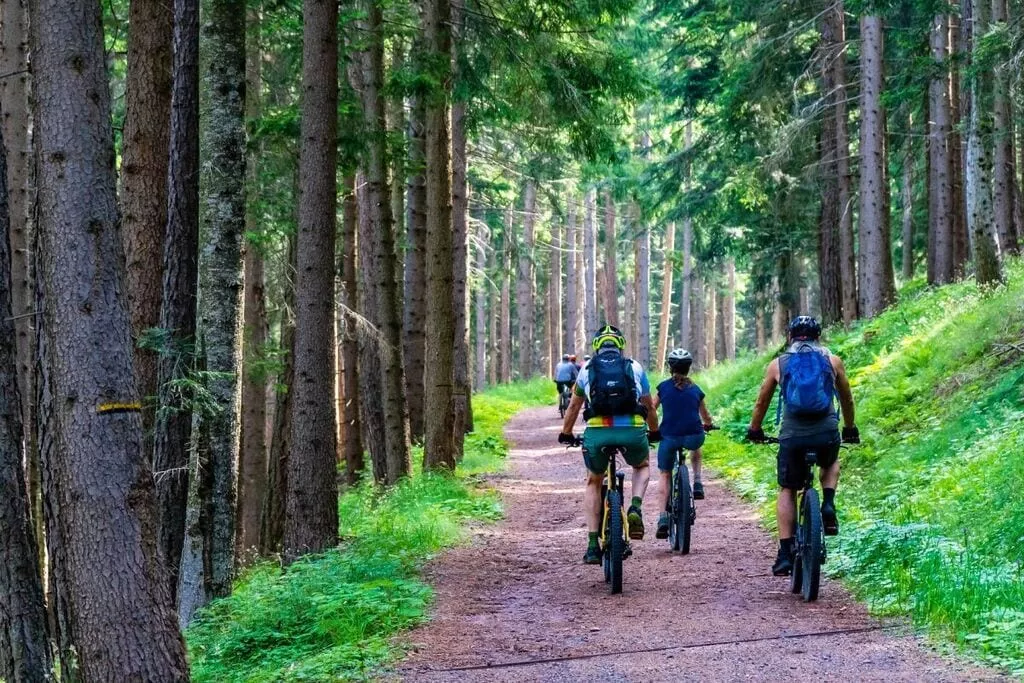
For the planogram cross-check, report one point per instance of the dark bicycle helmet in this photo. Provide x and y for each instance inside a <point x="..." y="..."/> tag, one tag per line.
<point x="609" y="336"/>
<point x="680" y="360"/>
<point x="565" y="357"/>
<point x="804" y="328"/>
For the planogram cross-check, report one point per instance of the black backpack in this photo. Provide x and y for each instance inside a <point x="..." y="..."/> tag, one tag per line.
<point x="612" y="387"/>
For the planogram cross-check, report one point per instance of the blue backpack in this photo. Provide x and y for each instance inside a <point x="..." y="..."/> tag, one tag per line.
<point x="808" y="383"/>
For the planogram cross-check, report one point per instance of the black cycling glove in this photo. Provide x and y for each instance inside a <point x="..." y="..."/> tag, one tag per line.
<point x="567" y="439"/>
<point x="851" y="435"/>
<point x="756" y="435"/>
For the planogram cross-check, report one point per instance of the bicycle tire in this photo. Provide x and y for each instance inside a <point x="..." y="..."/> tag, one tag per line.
<point x="682" y="510"/>
<point x="616" y="541"/>
<point x="812" y="548"/>
<point x="796" y="579"/>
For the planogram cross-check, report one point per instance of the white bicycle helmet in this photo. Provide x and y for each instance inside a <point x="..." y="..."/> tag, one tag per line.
<point x="680" y="359"/>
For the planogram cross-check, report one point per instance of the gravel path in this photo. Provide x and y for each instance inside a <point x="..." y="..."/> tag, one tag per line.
<point x="518" y="605"/>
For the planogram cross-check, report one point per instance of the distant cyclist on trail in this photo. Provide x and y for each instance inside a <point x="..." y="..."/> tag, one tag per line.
<point x="620" y="413"/>
<point x="683" y="425"/>
<point x="565" y="373"/>
<point x="810" y="377"/>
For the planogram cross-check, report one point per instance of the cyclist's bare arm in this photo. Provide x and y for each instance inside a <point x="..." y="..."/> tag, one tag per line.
<point x="656" y="401"/>
<point x="705" y="414"/>
<point x="844" y="391"/>
<point x="764" y="396"/>
<point x="572" y="413"/>
<point x="652" y="412"/>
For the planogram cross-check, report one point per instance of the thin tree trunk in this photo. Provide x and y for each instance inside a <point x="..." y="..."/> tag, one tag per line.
<point x="590" y="261"/>
<point x="273" y="513"/>
<point x="729" y="310"/>
<point x="711" y="324"/>
<point x="698" y="346"/>
<point x="24" y="641"/>
<point x="570" y="334"/>
<point x="222" y="226"/>
<point x="686" y="314"/>
<point x="555" y="296"/>
<point x="505" y="314"/>
<point x="144" y="175"/>
<point x="524" y="286"/>
<point x="643" y="291"/>
<point x="415" y="283"/>
<point x="311" y="509"/>
<point x="351" y="441"/>
<point x="666" y="294"/>
<point x="940" y="233"/>
<point x="493" y="310"/>
<point x="122" y="622"/>
<point x="1002" y="137"/>
<point x="461" y="389"/>
<point x="173" y="427"/>
<point x="847" y="253"/>
<point x="397" y="129"/>
<point x="252" y="462"/>
<point x="480" y="313"/>
<point x="907" y="199"/>
<point x="611" y="286"/>
<point x="877" y="288"/>
<point x="830" y="279"/>
<point x="959" y="102"/>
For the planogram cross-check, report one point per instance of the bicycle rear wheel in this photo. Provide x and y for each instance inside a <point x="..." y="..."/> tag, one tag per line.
<point x="616" y="542"/>
<point x="812" y="548"/>
<point x="682" y="511"/>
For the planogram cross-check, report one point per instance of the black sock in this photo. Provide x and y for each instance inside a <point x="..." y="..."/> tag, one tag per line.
<point x="786" y="544"/>
<point x="592" y="539"/>
<point x="830" y="496"/>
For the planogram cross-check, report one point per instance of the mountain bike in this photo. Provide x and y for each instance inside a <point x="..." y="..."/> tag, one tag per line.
<point x="809" y="551"/>
<point x="683" y="514"/>
<point x="563" y="399"/>
<point x="614" y="529"/>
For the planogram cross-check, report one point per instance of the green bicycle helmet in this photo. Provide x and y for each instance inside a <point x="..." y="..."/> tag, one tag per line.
<point x="609" y="336"/>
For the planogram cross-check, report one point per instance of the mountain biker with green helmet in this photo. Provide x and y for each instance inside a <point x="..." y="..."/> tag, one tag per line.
<point x="685" y="419"/>
<point x="810" y="378"/>
<point x="620" y="412"/>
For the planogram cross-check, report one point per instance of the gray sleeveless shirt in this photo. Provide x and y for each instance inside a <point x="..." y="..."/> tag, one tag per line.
<point x="796" y="427"/>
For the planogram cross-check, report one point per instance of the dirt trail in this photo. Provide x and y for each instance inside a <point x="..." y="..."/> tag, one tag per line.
<point x="519" y="594"/>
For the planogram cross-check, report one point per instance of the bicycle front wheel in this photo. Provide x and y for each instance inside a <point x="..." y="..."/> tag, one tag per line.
<point x="616" y="542"/>
<point x="813" y="546"/>
<point x="682" y="511"/>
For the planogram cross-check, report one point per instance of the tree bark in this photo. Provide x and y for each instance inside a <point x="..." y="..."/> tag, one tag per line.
<point x="830" y="279"/>
<point x="480" y="313"/>
<point x="611" y="286"/>
<point x="940" y="228"/>
<point x="877" y="287"/>
<point x="980" y="218"/>
<point x="643" y="291"/>
<point x="907" y="199"/>
<point x="252" y="462"/>
<point x="1002" y="139"/>
<point x="24" y="641"/>
<point x="311" y="509"/>
<point x="958" y="104"/>
<point x="505" y="314"/>
<point x="144" y="175"/>
<point x="729" y="310"/>
<point x="351" y="430"/>
<point x="121" y="621"/>
<point x="222" y="227"/>
<point x="493" y="310"/>
<point x="524" y="286"/>
<point x="173" y="427"/>
<point x="590" y="262"/>
<point x="686" y="314"/>
<point x="847" y="253"/>
<point x="555" y="296"/>
<point x="570" y="333"/>
<point x="711" y="324"/>
<point x="699" y="337"/>
<point x="415" y="283"/>
<point x="461" y="389"/>
<point x="666" y="294"/>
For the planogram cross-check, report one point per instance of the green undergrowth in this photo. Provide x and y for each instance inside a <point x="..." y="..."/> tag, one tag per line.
<point x="933" y="524"/>
<point x="333" y="616"/>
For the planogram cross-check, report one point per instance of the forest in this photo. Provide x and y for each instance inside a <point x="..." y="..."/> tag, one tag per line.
<point x="270" y="268"/>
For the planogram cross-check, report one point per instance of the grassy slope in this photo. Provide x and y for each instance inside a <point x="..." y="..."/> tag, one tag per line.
<point x="333" y="617"/>
<point x="931" y="503"/>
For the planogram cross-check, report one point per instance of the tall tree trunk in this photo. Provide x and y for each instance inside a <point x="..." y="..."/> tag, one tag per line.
<point x="686" y="313"/>
<point x="590" y="262"/>
<point x="122" y="623"/>
<point x="555" y="296"/>
<point x="252" y="462"/>
<point x="959" y="103"/>
<point x="847" y="254"/>
<point x="505" y="314"/>
<point x="397" y="131"/>
<point x="643" y="291"/>
<point x="461" y="389"/>
<point x="14" y="94"/>
<point x="378" y="248"/>
<point x="729" y="310"/>
<point x="480" y="305"/>
<point x="570" y="335"/>
<point x="351" y="441"/>
<point x="611" y="285"/>
<point x="222" y="226"/>
<point x="978" y="175"/>
<point x="144" y="174"/>
<point x="173" y="428"/>
<point x="666" y="294"/>
<point x="524" y="284"/>
<point x="877" y="288"/>
<point x="311" y="510"/>
<point x="24" y="641"/>
<point x="711" y="324"/>
<point x="1002" y="137"/>
<point x="415" y="283"/>
<point x="493" y="311"/>
<point x="940" y="225"/>
<point x="830" y="279"/>
<point x="907" y="200"/>
<point x="698" y="344"/>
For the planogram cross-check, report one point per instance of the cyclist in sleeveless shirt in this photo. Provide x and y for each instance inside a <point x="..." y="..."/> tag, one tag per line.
<point x="804" y="430"/>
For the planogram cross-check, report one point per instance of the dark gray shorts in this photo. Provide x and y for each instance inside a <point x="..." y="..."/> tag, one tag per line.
<point x="792" y="461"/>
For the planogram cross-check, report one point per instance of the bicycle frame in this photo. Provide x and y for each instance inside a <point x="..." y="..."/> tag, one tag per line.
<point x="612" y="475"/>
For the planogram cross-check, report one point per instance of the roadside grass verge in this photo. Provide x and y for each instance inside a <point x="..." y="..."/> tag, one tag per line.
<point x="333" y="616"/>
<point x="930" y="504"/>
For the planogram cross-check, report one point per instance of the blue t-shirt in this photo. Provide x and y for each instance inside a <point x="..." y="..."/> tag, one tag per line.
<point x="680" y="409"/>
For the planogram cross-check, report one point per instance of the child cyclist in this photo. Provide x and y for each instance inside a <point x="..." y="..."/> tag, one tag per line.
<point x="685" y="419"/>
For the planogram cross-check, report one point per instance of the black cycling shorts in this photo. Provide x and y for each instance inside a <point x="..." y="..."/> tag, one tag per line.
<point x="792" y="463"/>
<point x="561" y="385"/>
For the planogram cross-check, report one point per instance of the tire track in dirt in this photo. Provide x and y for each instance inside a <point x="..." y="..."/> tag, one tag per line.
<point x="519" y="592"/>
